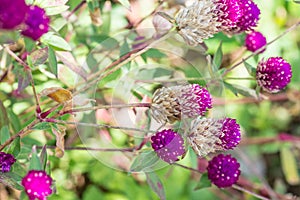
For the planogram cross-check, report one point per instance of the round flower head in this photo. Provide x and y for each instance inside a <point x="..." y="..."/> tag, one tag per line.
<point x="12" y="13"/>
<point x="168" y="145"/>
<point x="6" y="161"/>
<point x="172" y="103"/>
<point x="223" y="170"/>
<point x="198" y="21"/>
<point x="37" y="184"/>
<point x="254" y="41"/>
<point x="274" y="74"/>
<point x="37" y="23"/>
<point x="212" y="135"/>
<point x="240" y="15"/>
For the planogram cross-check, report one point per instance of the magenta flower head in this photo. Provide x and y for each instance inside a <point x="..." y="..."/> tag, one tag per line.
<point x="240" y="15"/>
<point x="254" y="41"/>
<point x="6" y="161"/>
<point x="223" y="170"/>
<point x="12" y="13"/>
<point x="37" y="185"/>
<point x="213" y="135"/>
<point x="37" y="23"/>
<point x="168" y="145"/>
<point x="274" y="74"/>
<point x="173" y="103"/>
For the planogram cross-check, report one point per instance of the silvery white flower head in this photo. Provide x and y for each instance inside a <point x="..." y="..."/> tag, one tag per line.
<point x="199" y="21"/>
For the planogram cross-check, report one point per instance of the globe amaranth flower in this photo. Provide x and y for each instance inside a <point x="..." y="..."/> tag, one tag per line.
<point x="12" y="13"/>
<point x="37" y="184"/>
<point x="209" y="135"/>
<point x="198" y="21"/>
<point x="37" y="23"/>
<point x="273" y="74"/>
<point x="223" y="170"/>
<point x="168" y="145"/>
<point x="254" y="41"/>
<point x="172" y="103"/>
<point x="6" y="161"/>
<point x="240" y="15"/>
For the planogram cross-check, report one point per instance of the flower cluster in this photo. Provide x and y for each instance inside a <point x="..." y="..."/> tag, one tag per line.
<point x="6" y="161"/>
<point x="205" y="18"/>
<point x="173" y="103"/>
<point x="32" y="20"/>
<point x="212" y="135"/>
<point x="223" y="170"/>
<point x="37" y="184"/>
<point x="254" y="41"/>
<point x="168" y="145"/>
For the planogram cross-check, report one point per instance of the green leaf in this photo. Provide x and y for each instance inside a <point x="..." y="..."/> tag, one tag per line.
<point x="204" y="182"/>
<point x="29" y="44"/>
<point x="153" y="53"/>
<point x="14" y="118"/>
<point x="23" y="79"/>
<point x="7" y="37"/>
<point x="156" y="185"/>
<point x="43" y="157"/>
<point x="39" y="56"/>
<point x="144" y="161"/>
<point x="125" y="3"/>
<point x="55" y="41"/>
<point x="289" y="166"/>
<point x="52" y="61"/>
<point x="237" y="89"/>
<point x="11" y="179"/>
<point x="251" y="70"/>
<point x="217" y="60"/>
<point x="124" y="48"/>
<point x="43" y="126"/>
<point x="3" y="115"/>
<point x="56" y="10"/>
<point x="35" y="163"/>
<point x="4" y="134"/>
<point x="15" y="147"/>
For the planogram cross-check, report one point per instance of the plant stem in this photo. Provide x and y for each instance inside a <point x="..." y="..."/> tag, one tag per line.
<point x="93" y="149"/>
<point x="75" y="9"/>
<point x="249" y="192"/>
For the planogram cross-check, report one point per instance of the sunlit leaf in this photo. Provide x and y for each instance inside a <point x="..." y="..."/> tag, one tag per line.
<point x="43" y="126"/>
<point x="58" y="94"/>
<point x="144" y="161"/>
<point x="34" y="163"/>
<point x="55" y="41"/>
<point x="289" y="166"/>
<point x="217" y="60"/>
<point x="56" y="10"/>
<point x="11" y="179"/>
<point x="4" y="134"/>
<point x="3" y="115"/>
<point x="156" y="185"/>
<point x="251" y="70"/>
<point x="237" y="89"/>
<point x="52" y="61"/>
<point x="125" y="3"/>
<point x="204" y="182"/>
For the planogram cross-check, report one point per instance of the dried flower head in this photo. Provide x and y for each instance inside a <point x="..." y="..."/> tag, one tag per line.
<point x="212" y="135"/>
<point x="37" y="184"/>
<point x="173" y="103"/>
<point x="239" y="15"/>
<point x="12" y="13"/>
<point x="37" y="23"/>
<point x="274" y="74"/>
<point x="168" y="145"/>
<point x="6" y="161"/>
<point x="223" y="170"/>
<point x="199" y="21"/>
<point x="254" y="41"/>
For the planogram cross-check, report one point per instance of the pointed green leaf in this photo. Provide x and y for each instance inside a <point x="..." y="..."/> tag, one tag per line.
<point x="55" y="41"/>
<point x="3" y="115"/>
<point x="156" y="185"/>
<point x="4" y="134"/>
<point x="124" y="48"/>
<point x="251" y="70"/>
<point x="204" y="182"/>
<point x="35" y="163"/>
<point x="52" y="61"/>
<point x="289" y="166"/>
<point x="237" y="89"/>
<point x="125" y="3"/>
<point x="145" y="160"/>
<point x="39" y="56"/>
<point x="11" y="179"/>
<point x="43" y="157"/>
<point x="217" y="60"/>
<point x="15" y="147"/>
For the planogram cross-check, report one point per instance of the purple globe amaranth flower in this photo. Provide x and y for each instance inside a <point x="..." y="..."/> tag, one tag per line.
<point x="174" y="103"/>
<point x="37" y="23"/>
<point x="240" y="15"/>
<point x="12" y="13"/>
<point x="6" y="161"/>
<point x="274" y="74"/>
<point x="168" y="145"/>
<point x="37" y="185"/>
<point x="254" y="41"/>
<point x="223" y="170"/>
<point x="212" y="135"/>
